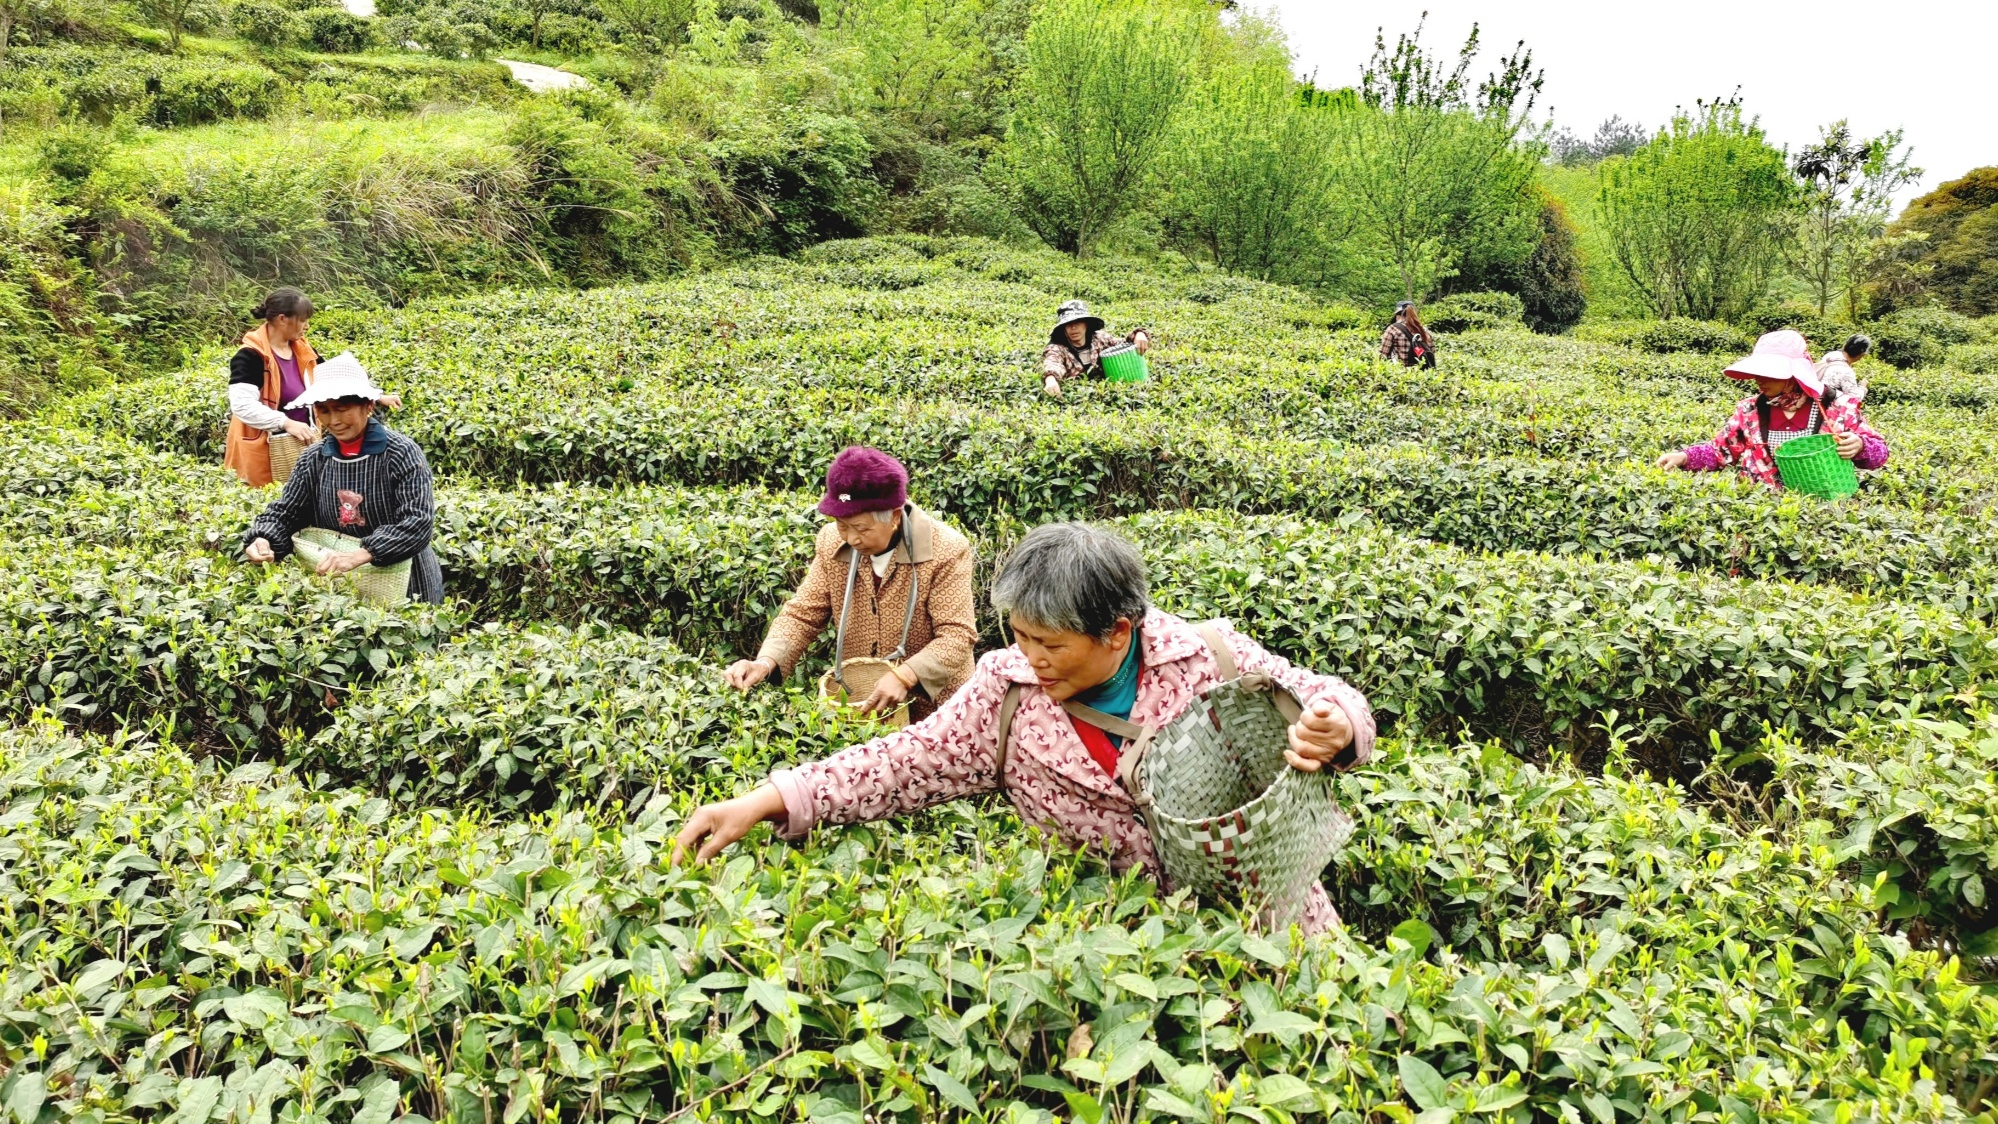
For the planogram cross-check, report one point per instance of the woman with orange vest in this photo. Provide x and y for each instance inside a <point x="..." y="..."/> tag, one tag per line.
<point x="274" y="365"/>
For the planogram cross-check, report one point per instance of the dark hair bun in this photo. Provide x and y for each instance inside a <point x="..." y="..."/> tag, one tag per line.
<point x="283" y="302"/>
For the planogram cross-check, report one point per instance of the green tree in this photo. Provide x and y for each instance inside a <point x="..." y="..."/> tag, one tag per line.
<point x="14" y="13"/>
<point x="1549" y="281"/>
<point x="935" y="64"/>
<point x="1435" y="169"/>
<point x="1249" y="181"/>
<point x="169" y="16"/>
<point x="640" y="22"/>
<point x="1697" y="218"/>
<point x="1848" y="189"/>
<point x="1097" y="96"/>
<point x="1944" y="247"/>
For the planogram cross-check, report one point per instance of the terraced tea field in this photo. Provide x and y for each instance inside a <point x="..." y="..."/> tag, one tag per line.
<point x="1687" y="809"/>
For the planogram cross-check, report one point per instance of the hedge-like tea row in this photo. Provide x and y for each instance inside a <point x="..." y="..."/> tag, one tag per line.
<point x="497" y="376"/>
<point x="1032" y="465"/>
<point x="1528" y="648"/>
<point x="548" y="718"/>
<point x="198" y="648"/>
<point x="533" y="719"/>
<point x="440" y="964"/>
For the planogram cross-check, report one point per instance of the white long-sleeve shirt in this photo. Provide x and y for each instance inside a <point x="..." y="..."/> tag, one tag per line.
<point x="246" y="402"/>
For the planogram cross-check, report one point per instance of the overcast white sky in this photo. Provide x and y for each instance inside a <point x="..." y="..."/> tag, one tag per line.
<point x="1929" y="68"/>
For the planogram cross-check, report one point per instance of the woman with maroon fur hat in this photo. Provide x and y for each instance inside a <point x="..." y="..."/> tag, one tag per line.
<point x="895" y="581"/>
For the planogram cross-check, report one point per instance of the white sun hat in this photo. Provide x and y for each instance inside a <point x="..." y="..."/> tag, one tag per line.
<point x="339" y="377"/>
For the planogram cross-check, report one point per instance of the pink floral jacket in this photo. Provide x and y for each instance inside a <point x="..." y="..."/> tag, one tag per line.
<point x="1050" y="776"/>
<point x="1739" y="442"/>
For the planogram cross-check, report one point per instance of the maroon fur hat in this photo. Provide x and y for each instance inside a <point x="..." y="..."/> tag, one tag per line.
<point x="863" y="479"/>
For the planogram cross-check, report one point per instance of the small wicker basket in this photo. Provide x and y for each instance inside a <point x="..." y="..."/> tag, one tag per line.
<point x="863" y="673"/>
<point x="285" y="451"/>
<point x="1229" y="817"/>
<point x="383" y="585"/>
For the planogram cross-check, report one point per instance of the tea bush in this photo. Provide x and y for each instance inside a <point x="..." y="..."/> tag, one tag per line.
<point x="1920" y="337"/>
<point x="1462" y="312"/>
<point x="1525" y="648"/>
<point x="1665" y="336"/>
<point x="558" y="963"/>
<point x="1683" y="812"/>
<point x="1035" y="463"/>
<point x="543" y="718"/>
<point x="213" y="653"/>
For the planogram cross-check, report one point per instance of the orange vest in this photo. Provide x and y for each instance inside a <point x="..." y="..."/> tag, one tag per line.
<point x="248" y="451"/>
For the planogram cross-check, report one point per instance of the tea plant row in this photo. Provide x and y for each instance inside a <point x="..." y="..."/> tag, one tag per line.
<point x="204" y="940"/>
<point x="134" y="618"/>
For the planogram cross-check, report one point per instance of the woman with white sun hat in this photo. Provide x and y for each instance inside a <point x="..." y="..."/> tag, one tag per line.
<point x="363" y="480"/>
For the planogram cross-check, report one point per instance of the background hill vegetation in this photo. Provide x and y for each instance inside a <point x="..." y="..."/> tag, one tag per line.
<point x="163" y="161"/>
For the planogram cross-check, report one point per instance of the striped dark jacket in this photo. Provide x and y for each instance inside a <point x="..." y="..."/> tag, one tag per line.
<point x="381" y="496"/>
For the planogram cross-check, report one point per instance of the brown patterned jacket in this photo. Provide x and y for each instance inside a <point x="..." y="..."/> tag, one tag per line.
<point x="1059" y="361"/>
<point x="942" y="632"/>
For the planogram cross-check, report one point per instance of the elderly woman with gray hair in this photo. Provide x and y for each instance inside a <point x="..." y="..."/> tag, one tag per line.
<point x="1084" y="631"/>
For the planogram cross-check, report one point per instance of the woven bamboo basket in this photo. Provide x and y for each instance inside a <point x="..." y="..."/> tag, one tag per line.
<point x="285" y="451"/>
<point x="383" y="585"/>
<point x="1228" y="815"/>
<point x="863" y="673"/>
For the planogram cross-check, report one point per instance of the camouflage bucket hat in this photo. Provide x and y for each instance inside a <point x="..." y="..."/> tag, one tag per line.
<point x="1069" y="313"/>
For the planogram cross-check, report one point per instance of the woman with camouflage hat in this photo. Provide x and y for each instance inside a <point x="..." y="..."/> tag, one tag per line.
<point x="1076" y="346"/>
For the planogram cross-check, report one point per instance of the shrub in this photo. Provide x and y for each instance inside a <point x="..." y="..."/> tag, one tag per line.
<point x="336" y="31"/>
<point x="539" y="719"/>
<point x="1462" y="312"/>
<point x="1921" y="337"/>
<point x="218" y="655"/>
<point x="70" y="153"/>
<point x="958" y="967"/>
<point x="1976" y="358"/>
<point x="266" y="25"/>
<point x="1825" y="333"/>
<point x="809" y="172"/>
<point x="195" y="93"/>
<point x="1664" y="337"/>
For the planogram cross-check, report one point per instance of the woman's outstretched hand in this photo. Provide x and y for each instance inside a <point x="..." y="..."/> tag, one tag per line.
<point x="1318" y="737"/>
<point x="260" y="552"/>
<point x="744" y="674"/>
<point x="1051" y="386"/>
<point x="1674" y="459"/>
<point x="887" y="695"/>
<point x="333" y="565"/>
<point x="721" y="824"/>
<point x="1849" y="444"/>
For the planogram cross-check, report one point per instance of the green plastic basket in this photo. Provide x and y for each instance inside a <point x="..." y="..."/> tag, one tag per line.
<point x="1124" y="364"/>
<point x="1812" y="465"/>
<point x="383" y="585"/>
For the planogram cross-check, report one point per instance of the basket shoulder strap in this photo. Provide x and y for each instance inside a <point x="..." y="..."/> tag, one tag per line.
<point x="839" y="631"/>
<point x="1108" y="723"/>
<point x="1224" y="659"/>
<point x="1007" y="706"/>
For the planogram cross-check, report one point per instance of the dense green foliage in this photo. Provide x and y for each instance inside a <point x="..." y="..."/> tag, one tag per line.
<point x="1697" y="215"/>
<point x="1685" y="804"/>
<point x="1945" y="248"/>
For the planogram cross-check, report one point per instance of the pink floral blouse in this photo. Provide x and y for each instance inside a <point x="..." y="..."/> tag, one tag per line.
<point x="1050" y="776"/>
